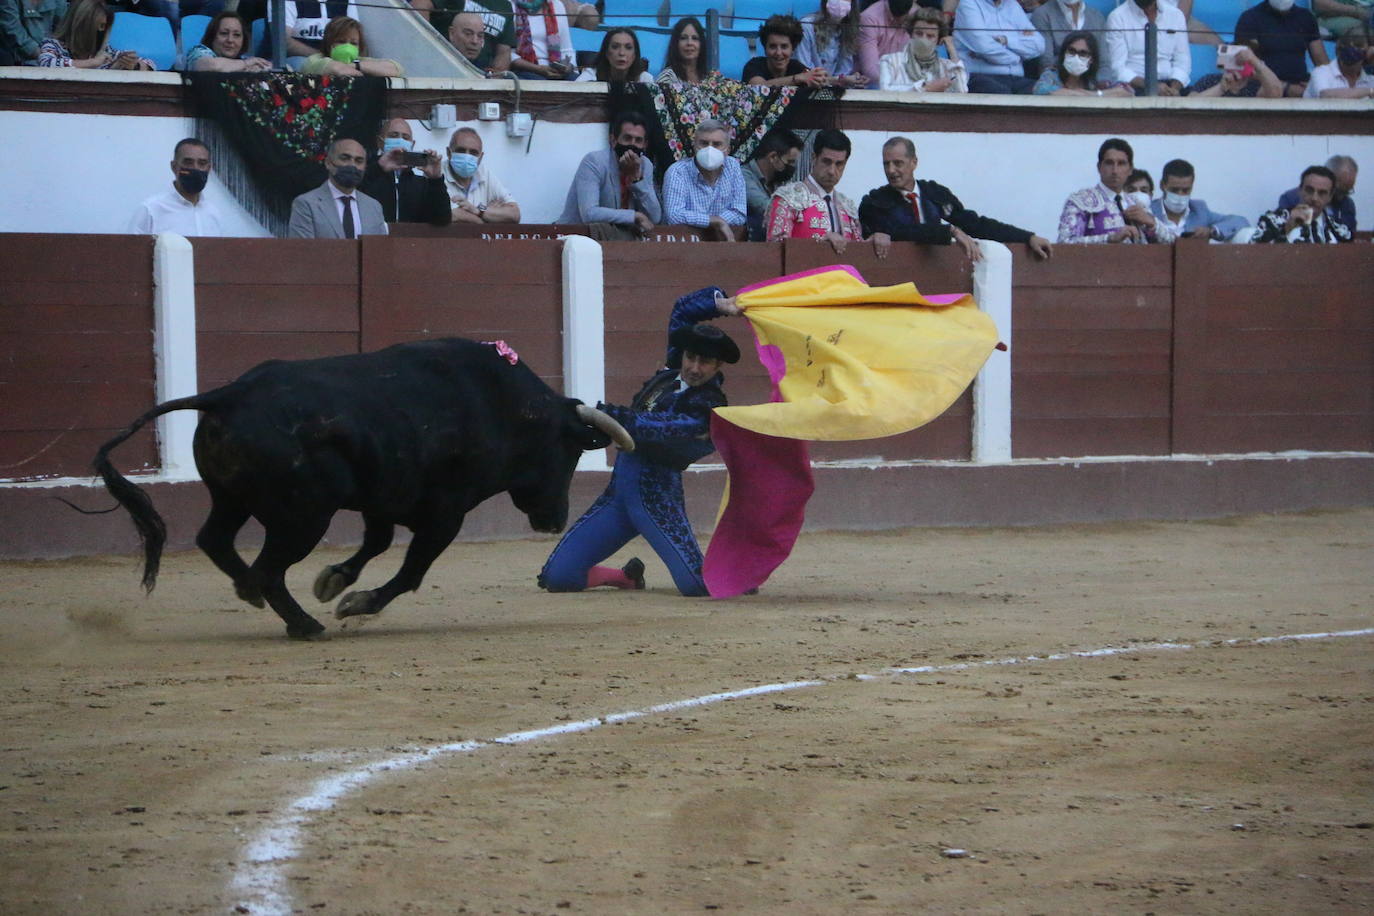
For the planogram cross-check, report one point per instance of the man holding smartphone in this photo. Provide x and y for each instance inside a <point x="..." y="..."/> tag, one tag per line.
<point x="408" y="185"/>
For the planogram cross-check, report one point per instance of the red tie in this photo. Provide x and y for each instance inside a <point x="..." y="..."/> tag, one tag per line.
<point x="915" y="204"/>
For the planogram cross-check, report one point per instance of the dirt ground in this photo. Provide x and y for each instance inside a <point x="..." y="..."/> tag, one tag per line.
<point x="148" y="744"/>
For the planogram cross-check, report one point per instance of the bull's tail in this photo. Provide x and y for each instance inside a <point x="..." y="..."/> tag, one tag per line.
<point x="152" y="530"/>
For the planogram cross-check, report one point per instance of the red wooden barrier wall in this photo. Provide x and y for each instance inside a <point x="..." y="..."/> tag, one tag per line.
<point x="76" y="351"/>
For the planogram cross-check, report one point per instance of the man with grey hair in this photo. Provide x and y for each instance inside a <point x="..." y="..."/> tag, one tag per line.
<point x="907" y="210"/>
<point x="707" y="191"/>
<point x="1342" y="206"/>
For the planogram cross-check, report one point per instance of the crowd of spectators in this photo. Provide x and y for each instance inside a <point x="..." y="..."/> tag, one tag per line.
<point x="987" y="46"/>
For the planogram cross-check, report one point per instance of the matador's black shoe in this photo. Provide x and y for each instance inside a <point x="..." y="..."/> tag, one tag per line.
<point x="634" y="571"/>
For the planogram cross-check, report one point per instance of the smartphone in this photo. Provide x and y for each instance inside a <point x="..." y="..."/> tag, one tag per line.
<point x="1226" y="57"/>
<point x="414" y="160"/>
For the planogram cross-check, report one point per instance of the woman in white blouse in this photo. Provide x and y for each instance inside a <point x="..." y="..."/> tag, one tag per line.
<point x="618" y="61"/>
<point x="918" y="68"/>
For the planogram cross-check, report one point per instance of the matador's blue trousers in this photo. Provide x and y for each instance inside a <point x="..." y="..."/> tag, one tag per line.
<point x="642" y="498"/>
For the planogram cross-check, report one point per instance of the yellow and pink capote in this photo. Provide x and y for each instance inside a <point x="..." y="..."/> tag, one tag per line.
<point x="847" y="361"/>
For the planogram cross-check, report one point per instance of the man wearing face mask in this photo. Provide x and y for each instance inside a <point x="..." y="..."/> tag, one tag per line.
<point x="613" y="189"/>
<point x="1185" y="214"/>
<point x="1283" y="36"/>
<point x="881" y="33"/>
<point x="1345" y="77"/>
<point x="337" y="209"/>
<point x="774" y="164"/>
<point x="814" y="208"/>
<point x="1057" y="19"/>
<point x="706" y="191"/>
<point x="1126" y="45"/>
<point x="182" y="208"/>
<point x="1342" y="206"/>
<point x="475" y="195"/>
<point x="407" y="194"/>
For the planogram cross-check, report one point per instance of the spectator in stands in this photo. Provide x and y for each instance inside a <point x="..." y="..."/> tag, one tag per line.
<point x="408" y="194"/>
<point x="995" y="38"/>
<point x="337" y="209"/>
<point x="182" y="208"/>
<point x="1186" y="215"/>
<point x="685" y="64"/>
<point x="907" y="210"/>
<point x="543" y="37"/>
<point x="773" y="165"/>
<point x="475" y="195"/>
<point x="917" y="67"/>
<point x="23" y="26"/>
<point x="81" y="41"/>
<point x="498" y="27"/>
<point x="306" y="21"/>
<point x="1283" y="35"/>
<point x="1251" y="79"/>
<point x="813" y="208"/>
<point x="221" y="47"/>
<point x="1057" y="20"/>
<point x="706" y="191"/>
<point x="1139" y="182"/>
<point x="1307" y="221"/>
<point x="830" y="40"/>
<point x="1345" y="77"/>
<point x="482" y="38"/>
<point x="779" y="37"/>
<point x="613" y="189"/>
<point x="881" y="33"/>
<point x="1126" y="45"/>
<point x="1340" y="16"/>
<point x="618" y="61"/>
<point x="1103" y="213"/>
<point x="1342" y="206"/>
<point x="343" y="53"/>
<point x="1075" y="70"/>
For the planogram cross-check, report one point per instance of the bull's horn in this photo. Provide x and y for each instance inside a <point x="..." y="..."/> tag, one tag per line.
<point x="607" y="424"/>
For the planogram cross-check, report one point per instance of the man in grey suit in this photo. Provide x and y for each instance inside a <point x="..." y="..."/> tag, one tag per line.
<point x="1056" y="19"/>
<point x="614" y="187"/>
<point x="337" y="209"/>
<point x="1188" y="216"/>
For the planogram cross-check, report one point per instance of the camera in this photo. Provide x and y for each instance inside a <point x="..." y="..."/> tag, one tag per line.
<point x="414" y="160"/>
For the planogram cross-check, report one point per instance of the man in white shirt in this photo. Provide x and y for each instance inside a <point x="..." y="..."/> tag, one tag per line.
<point x="994" y="39"/>
<point x="476" y="195"/>
<point x="1126" y="45"/>
<point x="1345" y="77"/>
<point x="182" y="208"/>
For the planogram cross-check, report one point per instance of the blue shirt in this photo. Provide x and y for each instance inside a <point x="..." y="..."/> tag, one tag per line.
<point x="689" y="201"/>
<point x="1281" y="39"/>
<point x="978" y="24"/>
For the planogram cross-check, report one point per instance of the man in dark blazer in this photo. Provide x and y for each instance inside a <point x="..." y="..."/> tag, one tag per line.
<point x="890" y="213"/>
<point x="337" y="209"/>
<point x="614" y="186"/>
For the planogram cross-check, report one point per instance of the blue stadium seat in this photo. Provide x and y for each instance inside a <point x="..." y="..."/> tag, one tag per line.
<point x="150" y="36"/>
<point x="750" y="14"/>
<point x="192" y="28"/>
<point x="260" y="46"/>
<point x="1204" y="61"/>
<point x="632" y="14"/>
<point x="653" y="46"/>
<point x="1221" y="15"/>
<point x="587" y="39"/>
<point x="1104" y="7"/>
<point x="802" y="8"/>
<point x="679" y="9"/>
<point x="734" y="54"/>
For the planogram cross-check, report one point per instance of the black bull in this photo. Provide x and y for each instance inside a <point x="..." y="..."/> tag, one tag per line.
<point x="416" y="435"/>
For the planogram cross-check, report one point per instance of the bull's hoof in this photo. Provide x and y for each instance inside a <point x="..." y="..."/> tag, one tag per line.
<point x="310" y="628"/>
<point x="356" y="603"/>
<point x="249" y="593"/>
<point x="331" y="581"/>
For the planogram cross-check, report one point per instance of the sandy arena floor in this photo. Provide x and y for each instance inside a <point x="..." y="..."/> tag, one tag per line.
<point x="153" y="748"/>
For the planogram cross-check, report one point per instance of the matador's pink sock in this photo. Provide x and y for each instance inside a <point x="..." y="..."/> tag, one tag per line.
<point x="605" y="575"/>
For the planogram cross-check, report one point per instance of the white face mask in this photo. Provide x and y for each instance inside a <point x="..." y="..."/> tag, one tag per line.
<point x="1176" y="203"/>
<point x="838" y="9"/>
<point x="1076" y="66"/>
<point x="1135" y="199"/>
<point x="1281" y="6"/>
<point x="710" y="158"/>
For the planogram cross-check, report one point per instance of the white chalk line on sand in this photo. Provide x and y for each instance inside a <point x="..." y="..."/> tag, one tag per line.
<point x="260" y="883"/>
